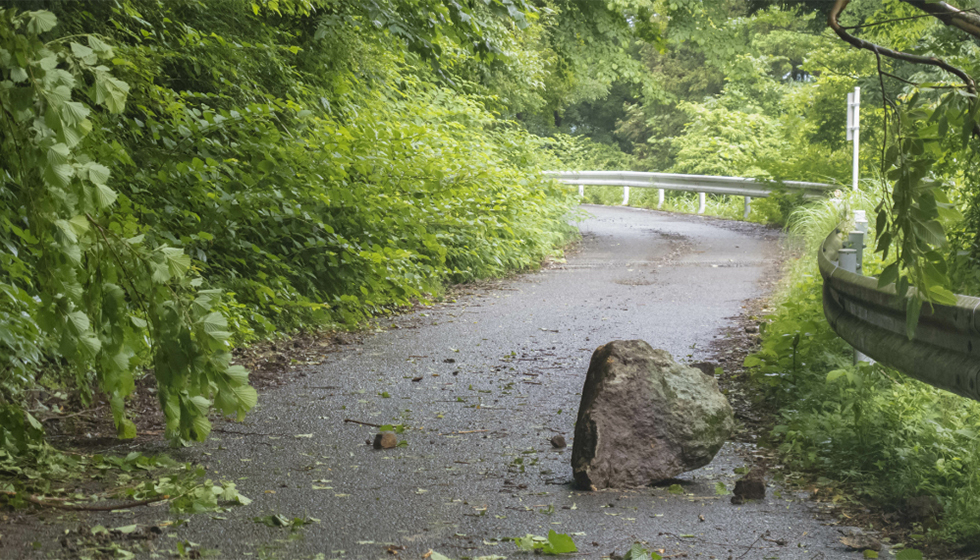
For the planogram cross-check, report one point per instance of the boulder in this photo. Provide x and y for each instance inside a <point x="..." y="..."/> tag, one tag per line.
<point x="645" y="418"/>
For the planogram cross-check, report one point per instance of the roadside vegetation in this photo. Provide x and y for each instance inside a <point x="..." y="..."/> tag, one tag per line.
<point x="181" y="178"/>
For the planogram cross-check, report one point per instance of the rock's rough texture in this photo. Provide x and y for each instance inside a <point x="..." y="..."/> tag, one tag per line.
<point x="645" y="418"/>
<point x="385" y="440"/>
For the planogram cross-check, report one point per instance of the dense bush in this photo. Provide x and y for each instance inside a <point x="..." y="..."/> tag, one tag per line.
<point x="184" y="175"/>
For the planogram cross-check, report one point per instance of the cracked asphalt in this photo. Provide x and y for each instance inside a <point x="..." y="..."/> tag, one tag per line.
<point x="481" y="385"/>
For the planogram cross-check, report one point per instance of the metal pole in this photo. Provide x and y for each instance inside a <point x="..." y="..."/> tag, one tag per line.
<point x="700" y="203"/>
<point x="581" y="190"/>
<point x="660" y="199"/>
<point x="748" y="208"/>
<point x="854" y="130"/>
<point x="626" y="196"/>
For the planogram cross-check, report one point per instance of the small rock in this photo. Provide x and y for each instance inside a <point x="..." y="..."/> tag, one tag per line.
<point x="752" y="329"/>
<point x="558" y="442"/>
<point x="752" y="486"/>
<point x="861" y="542"/>
<point x="386" y="440"/>
<point x="748" y="489"/>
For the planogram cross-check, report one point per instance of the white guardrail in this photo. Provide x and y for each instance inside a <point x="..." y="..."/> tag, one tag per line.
<point x="701" y="184"/>
<point x="945" y="351"/>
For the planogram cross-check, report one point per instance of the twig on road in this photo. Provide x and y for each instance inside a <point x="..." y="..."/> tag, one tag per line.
<point x="348" y="420"/>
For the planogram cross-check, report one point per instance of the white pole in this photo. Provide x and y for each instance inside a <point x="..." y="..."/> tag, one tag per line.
<point x="581" y="190"/>
<point x="748" y="208"/>
<point x="701" y="202"/>
<point x="854" y="130"/>
<point x="626" y="196"/>
<point x="660" y="199"/>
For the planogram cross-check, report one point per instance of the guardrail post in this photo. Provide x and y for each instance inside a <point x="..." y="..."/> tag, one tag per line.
<point x="847" y="259"/>
<point x="855" y="240"/>
<point x="748" y="208"/>
<point x="850" y="260"/>
<point x="700" y="203"/>
<point x="581" y="190"/>
<point x="626" y="196"/>
<point x="660" y="199"/>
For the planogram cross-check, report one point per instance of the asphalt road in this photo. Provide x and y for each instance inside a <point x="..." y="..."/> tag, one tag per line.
<point x="501" y="370"/>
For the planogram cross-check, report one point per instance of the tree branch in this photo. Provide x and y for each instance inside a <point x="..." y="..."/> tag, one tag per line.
<point x="968" y="21"/>
<point x="840" y="5"/>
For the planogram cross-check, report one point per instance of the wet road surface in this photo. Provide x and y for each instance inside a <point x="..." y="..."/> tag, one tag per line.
<point x="501" y="372"/>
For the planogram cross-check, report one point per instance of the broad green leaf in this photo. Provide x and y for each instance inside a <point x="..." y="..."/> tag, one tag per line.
<point x="98" y="174"/>
<point x="99" y="46"/>
<point x="79" y="321"/>
<point x="247" y="396"/>
<point x="908" y="554"/>
<point x="40" y="21"/>
<point x="238" y="375"/>
<point x="18" y="74"/>
<point x="202" y="428"/>
<point x="86" y="54"/>
<point x="105" y="196"/>
<point x="178" y="263"/>
<point x="214" y="322"/>
<point x="64" y="227"/>
<point x="560" y="543"/>
<point x="202" y="404"/>
<point x="111" y="92"/>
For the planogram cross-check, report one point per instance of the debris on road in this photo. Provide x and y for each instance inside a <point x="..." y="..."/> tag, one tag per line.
<point x="386" y="440"/>
<point x="644" y="418"/>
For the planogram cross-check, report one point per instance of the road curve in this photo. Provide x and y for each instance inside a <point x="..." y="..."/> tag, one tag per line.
<point x="501" y="369"/>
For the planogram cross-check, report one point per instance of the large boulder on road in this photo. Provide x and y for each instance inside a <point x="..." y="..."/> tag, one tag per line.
<point x="645" y="418"/>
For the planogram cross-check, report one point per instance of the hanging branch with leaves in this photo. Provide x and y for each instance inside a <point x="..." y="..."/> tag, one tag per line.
<point x="96" y="288"/>
<point x="912" y="220"/>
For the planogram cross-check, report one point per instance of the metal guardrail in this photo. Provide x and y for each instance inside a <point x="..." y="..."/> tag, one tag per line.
<point x="945" y="351"/>
<point x="701" y="184"/>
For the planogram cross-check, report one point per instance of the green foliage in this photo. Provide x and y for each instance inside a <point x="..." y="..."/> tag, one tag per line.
<point x="135" y="477"/>
<point x="580" y="153"/>
<point x="887" y="436"/>
<point x="183" y="176"/>
<point x="100" y="291"/>
<point x="637" y="552"/>
<point x="553" y="544"/>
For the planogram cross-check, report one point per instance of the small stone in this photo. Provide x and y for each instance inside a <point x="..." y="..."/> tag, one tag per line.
<point x="558" y="442"/>
<point x="749" y="489"/>
<point x="386" y="440"/>
<point x="861" y="542"/>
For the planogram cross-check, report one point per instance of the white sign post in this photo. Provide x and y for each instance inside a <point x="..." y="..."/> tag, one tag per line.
<point x="854" y="129"/>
